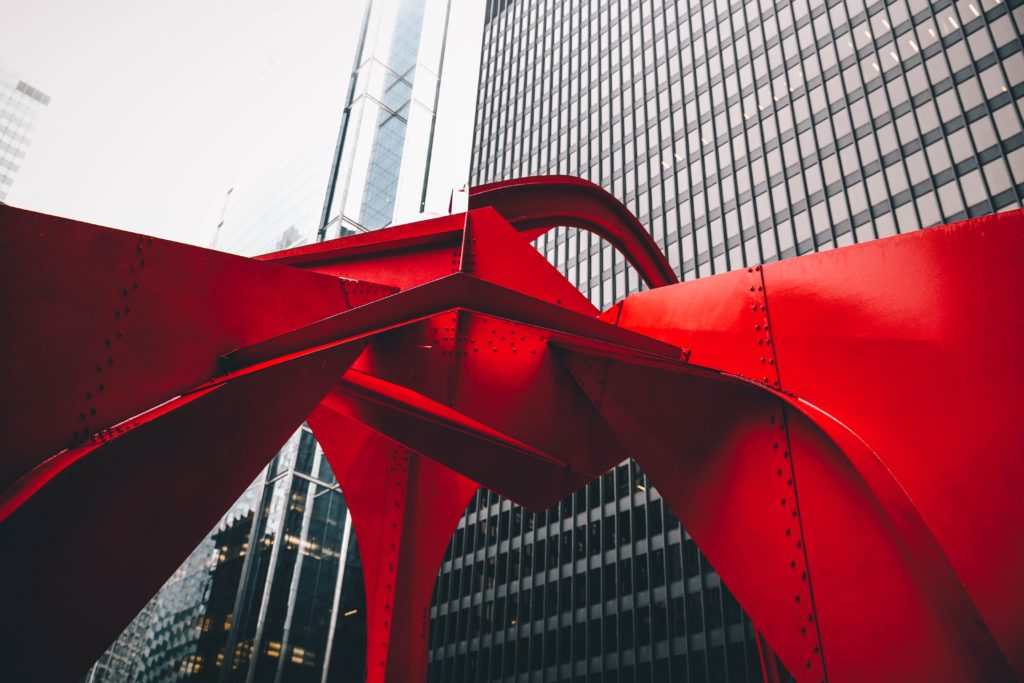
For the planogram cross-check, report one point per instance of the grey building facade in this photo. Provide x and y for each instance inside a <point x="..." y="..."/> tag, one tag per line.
<point x="739" y="133"/>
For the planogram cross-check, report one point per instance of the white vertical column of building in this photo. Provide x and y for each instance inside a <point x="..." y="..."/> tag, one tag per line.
<point x="360" y="138"/>
<point x="418" y="128"/>
<point x="452" y="142"/>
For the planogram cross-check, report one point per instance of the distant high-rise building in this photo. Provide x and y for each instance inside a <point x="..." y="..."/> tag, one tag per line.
<point x="20" y="107"/>
<point x="738" y="132"/>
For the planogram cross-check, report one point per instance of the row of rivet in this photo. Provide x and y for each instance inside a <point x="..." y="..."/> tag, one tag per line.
<point x="394" y="504"/>
<point x="784" y="471"/>
<point x="89" y="411"/>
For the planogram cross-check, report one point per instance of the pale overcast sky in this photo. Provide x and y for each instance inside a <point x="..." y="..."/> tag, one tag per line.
<point x="155" y="103"/>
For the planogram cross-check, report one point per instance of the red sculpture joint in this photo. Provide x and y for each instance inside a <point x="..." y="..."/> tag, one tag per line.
<point x="839" y="432"/>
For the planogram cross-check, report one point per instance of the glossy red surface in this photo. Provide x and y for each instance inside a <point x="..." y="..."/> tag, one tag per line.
<point x="839" y="432"/>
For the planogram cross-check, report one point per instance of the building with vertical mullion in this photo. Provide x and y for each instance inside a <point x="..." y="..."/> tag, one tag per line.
<point x="739" y="133"/>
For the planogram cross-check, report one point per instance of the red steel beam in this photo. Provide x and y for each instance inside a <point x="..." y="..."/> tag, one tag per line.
<point x="837" y="431"/>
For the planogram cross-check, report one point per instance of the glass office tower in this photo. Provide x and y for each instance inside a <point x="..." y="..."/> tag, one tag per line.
<point x="274" y="593"/>
<point x="738" y="133"/>
<point x="380" y="170"/>
<point x="20" y="108"/>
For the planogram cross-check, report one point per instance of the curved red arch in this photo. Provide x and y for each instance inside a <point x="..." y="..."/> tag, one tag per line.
<point x="537" y="204"/>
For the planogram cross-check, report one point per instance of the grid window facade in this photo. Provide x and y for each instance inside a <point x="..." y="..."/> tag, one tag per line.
<point x="747" y="132"/>
<point x="738" y="133"/>
<point x="604" y="586"/>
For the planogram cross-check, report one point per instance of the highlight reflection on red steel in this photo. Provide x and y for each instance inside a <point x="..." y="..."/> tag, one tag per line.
<point x="839" y="432"/>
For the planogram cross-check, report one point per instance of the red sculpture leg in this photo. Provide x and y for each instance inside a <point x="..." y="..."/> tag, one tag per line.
<point x="404" y="509"/>
<point x="101" y="526"/>
<point x="901" y="351"/>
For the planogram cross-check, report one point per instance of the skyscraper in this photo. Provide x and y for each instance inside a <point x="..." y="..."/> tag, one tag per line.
<point x="739" y="133"/>
<point x="20" y="107"/>
<point x="380" y="169"/>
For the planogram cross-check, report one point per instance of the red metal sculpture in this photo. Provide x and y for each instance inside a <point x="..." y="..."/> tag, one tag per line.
<point x="839" y="432"/>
